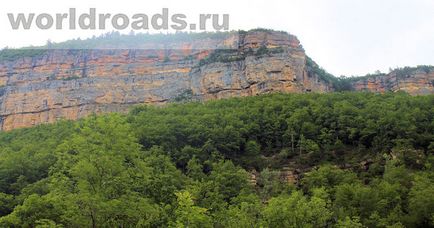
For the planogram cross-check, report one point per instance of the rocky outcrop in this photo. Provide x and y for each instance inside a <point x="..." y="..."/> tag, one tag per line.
<point x="70" y="84"/>
<point x="415" y="81"/>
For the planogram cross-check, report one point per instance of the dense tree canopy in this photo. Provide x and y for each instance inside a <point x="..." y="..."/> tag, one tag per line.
<point x="360" y="160"/>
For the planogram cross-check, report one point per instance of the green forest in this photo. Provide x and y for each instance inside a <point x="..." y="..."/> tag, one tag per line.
<point x="358" y="159"/>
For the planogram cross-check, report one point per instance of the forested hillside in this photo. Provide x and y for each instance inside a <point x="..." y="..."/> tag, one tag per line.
<point x="362" y="160"/>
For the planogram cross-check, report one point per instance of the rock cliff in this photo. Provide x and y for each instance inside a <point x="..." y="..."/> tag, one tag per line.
<point x="415" y="81"/>
<point x="70" y="84"/>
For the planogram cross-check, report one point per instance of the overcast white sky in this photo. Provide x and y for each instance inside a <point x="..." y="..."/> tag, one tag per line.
<point x="346" y="37"/>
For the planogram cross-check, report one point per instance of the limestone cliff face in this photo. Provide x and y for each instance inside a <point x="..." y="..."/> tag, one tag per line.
<point x="70" y="84"/>
<point x="415" y="81"/>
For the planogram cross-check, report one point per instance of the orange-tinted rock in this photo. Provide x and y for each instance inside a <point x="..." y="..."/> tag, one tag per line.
<point x="415" y="82"/>
<point x="71" y="84"/>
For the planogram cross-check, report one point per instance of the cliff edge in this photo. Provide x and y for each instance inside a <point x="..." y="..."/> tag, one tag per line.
<point x="42" y="86"/>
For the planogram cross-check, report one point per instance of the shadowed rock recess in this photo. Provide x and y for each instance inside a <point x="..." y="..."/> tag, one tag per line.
<point x="42" y="86"/>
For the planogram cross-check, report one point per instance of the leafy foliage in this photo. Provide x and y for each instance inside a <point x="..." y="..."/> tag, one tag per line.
<point x="364" y="160"/>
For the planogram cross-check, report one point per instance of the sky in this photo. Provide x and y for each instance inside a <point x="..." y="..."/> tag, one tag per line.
<point x="345" y="37"/>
